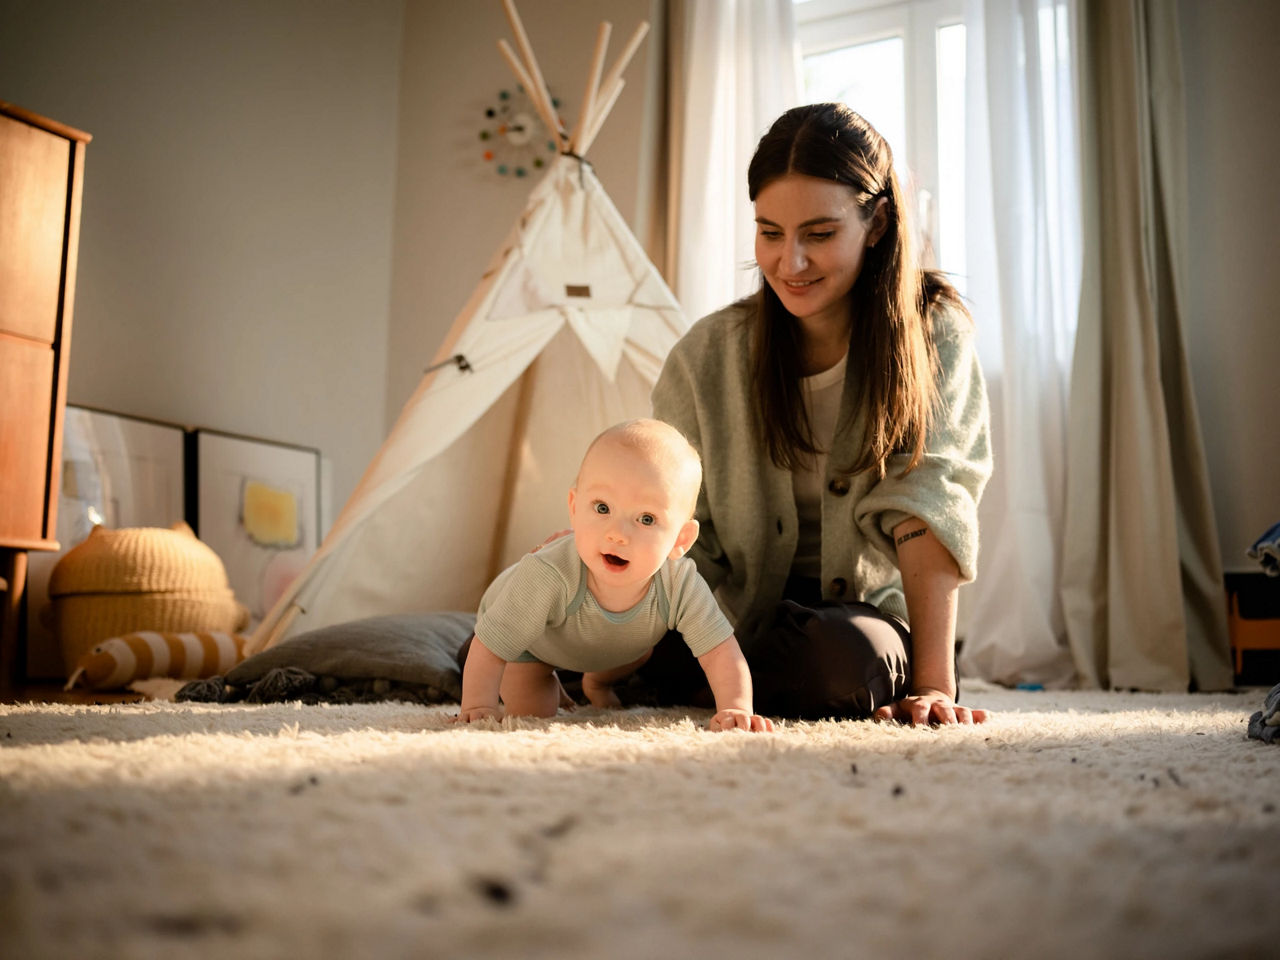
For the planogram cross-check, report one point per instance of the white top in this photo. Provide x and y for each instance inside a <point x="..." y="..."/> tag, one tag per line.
<point x="822" y="393"/>
<point x="541" y="606"/>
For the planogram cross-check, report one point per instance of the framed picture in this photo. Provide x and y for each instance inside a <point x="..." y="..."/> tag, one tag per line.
<point x="257" y="504"/>
<point x="119" y="471"/>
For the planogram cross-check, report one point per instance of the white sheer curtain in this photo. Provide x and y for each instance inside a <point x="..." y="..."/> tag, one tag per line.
<point x="734" y="69"/>
<point x="1024" y="255"/>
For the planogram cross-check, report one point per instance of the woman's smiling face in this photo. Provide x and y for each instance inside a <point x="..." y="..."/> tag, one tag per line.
<point x="810" y="242"/>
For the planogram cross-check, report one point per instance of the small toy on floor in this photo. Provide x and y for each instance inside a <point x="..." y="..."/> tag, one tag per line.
<point x="116" y="662"/>
<point x="1265" y="724"/>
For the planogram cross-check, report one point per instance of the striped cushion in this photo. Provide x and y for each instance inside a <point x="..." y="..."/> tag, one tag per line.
<point x="119" y="661"/>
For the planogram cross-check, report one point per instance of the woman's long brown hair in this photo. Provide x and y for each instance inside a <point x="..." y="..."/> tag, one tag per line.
<point x="891" y="351"/>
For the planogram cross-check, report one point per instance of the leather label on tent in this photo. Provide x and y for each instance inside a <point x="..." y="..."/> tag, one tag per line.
<point x="577" y="290"/>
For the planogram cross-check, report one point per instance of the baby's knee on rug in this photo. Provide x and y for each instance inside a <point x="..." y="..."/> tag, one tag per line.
<point x="599" y="690"/>
<point x="530" y="690"/>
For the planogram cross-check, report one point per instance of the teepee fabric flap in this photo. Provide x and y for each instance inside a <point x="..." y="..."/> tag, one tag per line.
<point x="458" y="397"/>
<point x="603" y="332"/>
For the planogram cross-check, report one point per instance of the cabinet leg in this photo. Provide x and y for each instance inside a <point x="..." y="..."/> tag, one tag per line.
<point x="13" y="648"/>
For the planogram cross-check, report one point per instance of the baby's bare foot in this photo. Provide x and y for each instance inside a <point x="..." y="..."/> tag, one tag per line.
<point x="598" y="693"/>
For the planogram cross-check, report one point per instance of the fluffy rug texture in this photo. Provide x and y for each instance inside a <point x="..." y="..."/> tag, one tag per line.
<point x="1072" y="824"/>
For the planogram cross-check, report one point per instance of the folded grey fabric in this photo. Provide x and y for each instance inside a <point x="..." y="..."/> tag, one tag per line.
<point x="401" y="656"/>
<point x="1265" y="724"/>
<point x="1266" y="550"/>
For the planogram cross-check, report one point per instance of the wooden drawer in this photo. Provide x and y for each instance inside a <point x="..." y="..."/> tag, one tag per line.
<point x="26" y="411"/>
<point x="41" y="185"/>
<point x="34" y="167"/>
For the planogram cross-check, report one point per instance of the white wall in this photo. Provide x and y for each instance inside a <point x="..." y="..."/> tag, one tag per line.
<point x="235" y="242"/>
<point x="1232" y="78"/>
<point x="452" y="209"/>
<point x="285" y="206"/>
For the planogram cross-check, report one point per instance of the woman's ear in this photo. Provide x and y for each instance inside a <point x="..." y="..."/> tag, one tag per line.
<point x="879" y="221"/>
<point x="684" y="539"/>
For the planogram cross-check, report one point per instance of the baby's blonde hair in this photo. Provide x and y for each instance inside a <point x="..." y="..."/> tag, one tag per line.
<point x="664" y="446"/>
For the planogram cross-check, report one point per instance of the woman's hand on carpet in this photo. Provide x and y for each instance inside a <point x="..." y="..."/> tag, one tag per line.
<point x="930" y="706"/>
<point x="740" y="720"/>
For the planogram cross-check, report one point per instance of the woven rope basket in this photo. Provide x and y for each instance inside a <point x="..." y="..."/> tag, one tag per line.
<point x="142" y="578"/>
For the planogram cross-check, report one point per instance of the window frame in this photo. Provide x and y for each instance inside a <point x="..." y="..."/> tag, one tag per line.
<point x="826" y="25"/>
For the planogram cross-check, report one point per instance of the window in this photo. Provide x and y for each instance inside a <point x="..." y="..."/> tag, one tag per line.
<point x="871" y="75"/>
<point x="902" y="66"/>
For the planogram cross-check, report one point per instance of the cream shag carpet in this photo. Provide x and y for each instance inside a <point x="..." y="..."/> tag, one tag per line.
<point x="1071" y="825"/>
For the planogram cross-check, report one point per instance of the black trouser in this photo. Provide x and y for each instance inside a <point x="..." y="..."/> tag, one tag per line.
<point x="817" y="659"/>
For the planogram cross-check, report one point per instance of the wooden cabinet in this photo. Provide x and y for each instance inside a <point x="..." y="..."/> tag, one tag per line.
<point x="41" y="181"/>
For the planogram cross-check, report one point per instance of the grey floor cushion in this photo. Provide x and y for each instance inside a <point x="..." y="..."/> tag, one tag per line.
<point x="1265" y="724"/>
<point x="408" y="656"/>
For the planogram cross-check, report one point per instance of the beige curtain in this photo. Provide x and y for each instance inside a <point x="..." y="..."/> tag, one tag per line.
<point x="1142" y="578"/>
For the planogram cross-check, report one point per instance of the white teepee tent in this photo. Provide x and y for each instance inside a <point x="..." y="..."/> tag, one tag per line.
<point x="564" y="335"/>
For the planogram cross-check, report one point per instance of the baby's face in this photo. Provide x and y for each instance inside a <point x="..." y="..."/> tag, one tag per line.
<point x="628" y="517"/>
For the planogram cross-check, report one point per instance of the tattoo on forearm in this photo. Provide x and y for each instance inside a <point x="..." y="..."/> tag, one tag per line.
<point x="912" y="535"/>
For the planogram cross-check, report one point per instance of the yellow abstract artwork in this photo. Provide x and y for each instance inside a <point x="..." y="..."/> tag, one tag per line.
<point x="270" y="515"/>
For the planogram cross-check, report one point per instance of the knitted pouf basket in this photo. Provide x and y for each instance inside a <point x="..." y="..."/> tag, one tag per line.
<point x="143" y="578"/>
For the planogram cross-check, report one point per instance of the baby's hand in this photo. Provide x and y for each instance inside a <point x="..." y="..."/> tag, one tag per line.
<point x="472" y="714"/>
<point x="740" y="720"/>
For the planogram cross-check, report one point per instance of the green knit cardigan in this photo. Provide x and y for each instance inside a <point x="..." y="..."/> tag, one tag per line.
<point x="747" y="508"/>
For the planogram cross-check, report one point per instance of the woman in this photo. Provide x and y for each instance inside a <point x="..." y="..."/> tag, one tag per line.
<point x="842" y="421"/>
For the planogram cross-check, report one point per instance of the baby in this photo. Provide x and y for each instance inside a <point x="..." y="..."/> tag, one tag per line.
<point x="599" y="600"/>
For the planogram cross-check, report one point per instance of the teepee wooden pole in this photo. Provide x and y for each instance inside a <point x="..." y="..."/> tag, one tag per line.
<point x="277" y="631"/>
<point x="511" y="474"/>
<point x="545" y="110"/>
<point x="606" y="105"/>
<point x="518" y="69"/>
<point x="592" y="89"/>
<point x="538" y="88"/>
<point x="624" y="59"/>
